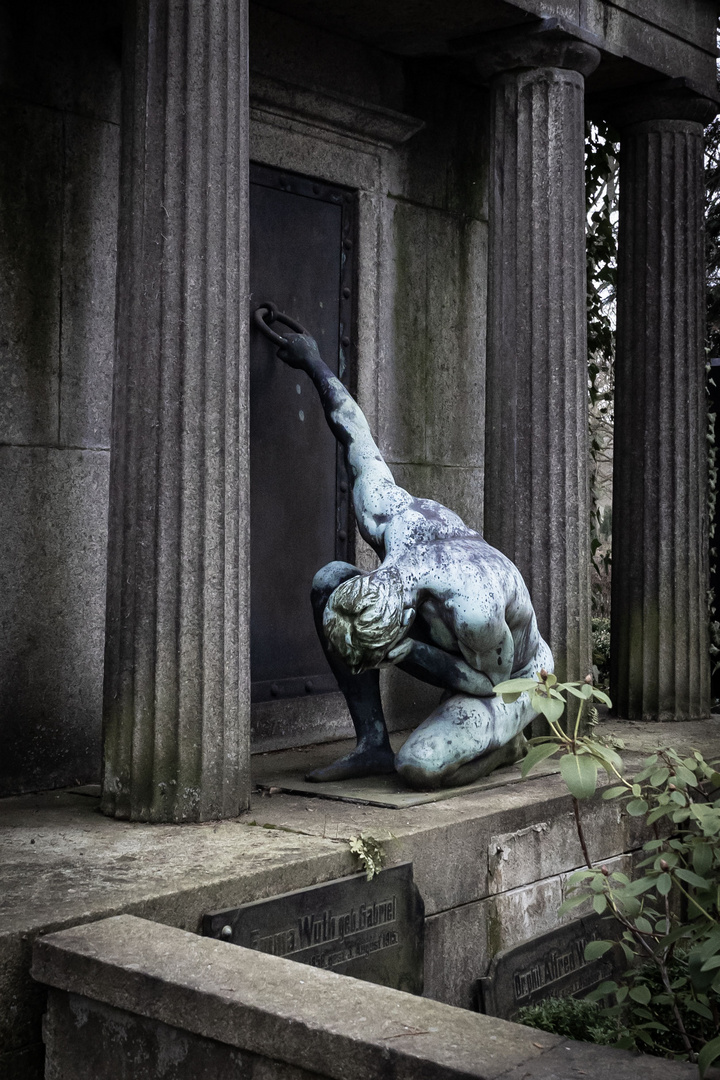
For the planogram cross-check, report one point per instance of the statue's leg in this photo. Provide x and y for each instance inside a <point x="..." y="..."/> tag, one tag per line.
<point x="373" y="753"/>
<point x="466" y="737"/>
<point x="463" y="739"/>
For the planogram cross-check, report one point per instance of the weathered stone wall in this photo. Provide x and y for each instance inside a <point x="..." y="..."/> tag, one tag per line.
<point x="59" y="126"/>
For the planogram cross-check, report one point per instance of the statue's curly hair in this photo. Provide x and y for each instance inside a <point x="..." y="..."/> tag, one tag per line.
<point x="364" y="616"/>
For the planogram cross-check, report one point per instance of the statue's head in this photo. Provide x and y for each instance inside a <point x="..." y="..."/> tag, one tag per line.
<point x="364" y="617"/>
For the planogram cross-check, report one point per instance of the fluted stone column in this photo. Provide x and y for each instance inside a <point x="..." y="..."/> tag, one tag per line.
<point x="536" y="464"/>
<point x="660" y="667"/>
<point x="176" y="711"/>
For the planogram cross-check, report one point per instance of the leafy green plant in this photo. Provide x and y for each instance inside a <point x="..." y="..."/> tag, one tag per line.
<point x="574" y="1018"/>
<point x="601" y="651"/>
<point x="669" y="998"/>
<point x="369" y="852"/>
<point x="601" y="199"/>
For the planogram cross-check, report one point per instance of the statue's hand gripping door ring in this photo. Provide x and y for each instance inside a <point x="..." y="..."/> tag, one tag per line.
<point x="266" y="314"/>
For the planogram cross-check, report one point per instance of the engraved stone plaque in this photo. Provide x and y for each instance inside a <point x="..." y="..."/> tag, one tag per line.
<point x="372" y="930"/>
<point x="550" y="965"/>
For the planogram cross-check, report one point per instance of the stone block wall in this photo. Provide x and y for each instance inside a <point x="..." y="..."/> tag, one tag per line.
<point x="59" y="132"/>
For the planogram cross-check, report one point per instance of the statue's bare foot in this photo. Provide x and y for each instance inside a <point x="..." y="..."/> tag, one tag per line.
<point x="376" y="761"/>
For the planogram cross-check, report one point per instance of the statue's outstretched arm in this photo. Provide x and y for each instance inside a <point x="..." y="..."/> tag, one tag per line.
<point x="376" y="496"/>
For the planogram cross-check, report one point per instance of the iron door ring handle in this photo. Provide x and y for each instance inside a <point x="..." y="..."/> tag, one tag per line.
<point x="266" y="314"/>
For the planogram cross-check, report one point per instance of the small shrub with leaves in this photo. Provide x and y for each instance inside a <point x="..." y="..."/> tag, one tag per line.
<point x="669" y="912"/>
<point x="369" y="853"/>
<point x="601" y="651"/>
<point x="573" y="1018"/>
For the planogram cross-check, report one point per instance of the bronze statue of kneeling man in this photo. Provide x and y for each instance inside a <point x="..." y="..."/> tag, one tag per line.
<point x="443" y="606"/>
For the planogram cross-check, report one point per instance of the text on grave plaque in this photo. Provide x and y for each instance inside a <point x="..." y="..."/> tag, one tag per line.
<point x="371" y="930"/>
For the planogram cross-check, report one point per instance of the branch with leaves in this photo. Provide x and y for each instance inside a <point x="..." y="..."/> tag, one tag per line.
<point x="669" y="912"/>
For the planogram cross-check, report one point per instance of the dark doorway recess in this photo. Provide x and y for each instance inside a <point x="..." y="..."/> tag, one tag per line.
<point x="302" y="256"/>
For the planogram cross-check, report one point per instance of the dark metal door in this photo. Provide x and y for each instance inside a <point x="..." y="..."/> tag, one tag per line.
<point x="301" y="259"/>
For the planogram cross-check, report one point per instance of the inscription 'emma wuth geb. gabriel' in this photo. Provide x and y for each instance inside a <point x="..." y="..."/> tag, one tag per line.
<point x="319" y="929"/>
<point x="371" y="930"/>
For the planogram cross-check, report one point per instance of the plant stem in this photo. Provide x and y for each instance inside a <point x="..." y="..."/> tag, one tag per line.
<point x="581" y="834"/>
<point x="676" y="1011"/>
<point x="692" y="900"/>
<point x="660" y="965"/>
<point x="577" y="720"/>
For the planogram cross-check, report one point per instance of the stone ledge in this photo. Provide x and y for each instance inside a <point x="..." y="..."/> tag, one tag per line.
<point x="331" y="1025"/>
<point x="65" y="864"/>
<point x="308" y="1017"/>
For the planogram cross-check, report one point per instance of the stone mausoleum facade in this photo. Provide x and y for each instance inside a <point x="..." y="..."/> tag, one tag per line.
<point x="436" y="247"/>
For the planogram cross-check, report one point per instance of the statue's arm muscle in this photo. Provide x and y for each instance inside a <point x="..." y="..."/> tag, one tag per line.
<point x="376" y="496"/>
<point x="431" y="664"/>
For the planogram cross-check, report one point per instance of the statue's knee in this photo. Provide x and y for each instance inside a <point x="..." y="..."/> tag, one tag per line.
<point x="420" y="764"/>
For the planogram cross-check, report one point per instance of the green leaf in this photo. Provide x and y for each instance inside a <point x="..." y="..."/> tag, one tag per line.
<point x="580" y="775"/>
<point x="605" y="753"/>
<point x="664" y="884"/>
<point x="613" y="792"/>
<point x="629" y="954"/>
<point x="600" y="696"/>
<point x="709" y="947"/>
<point x="641" y="994"/>
<point x="711" y="964"/>
<point x="643" y="925"/>
<point x="550" y="707"/>
<point x="580" y="875"/>
<point x="684" y="776"/>
<point x="571" y="902"/>
<point x="636" y="807"/>
<point x="600" y="903"/>
<point x="595" y="949"/>
<point x="629" y="905"/>
<point x="692" y="879"/>
<point x="639" y="885"/>
<point x="516" y="686"/>
<point x="702" y="858"/>
<point x="709" y="1053"/>
<point x="535" y="755"/>
<point x="659" y="777"/>
<point x="700" y="1009"/>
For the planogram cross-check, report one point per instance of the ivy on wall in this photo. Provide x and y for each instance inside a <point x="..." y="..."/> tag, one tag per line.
<point x="601" y="193"/>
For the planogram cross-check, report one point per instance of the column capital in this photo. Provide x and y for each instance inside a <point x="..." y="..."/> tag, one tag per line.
<point x="668" y="99"/>
<point x="544" y="43"/>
